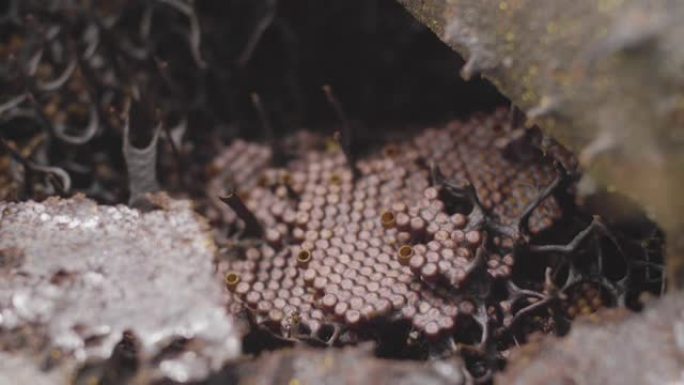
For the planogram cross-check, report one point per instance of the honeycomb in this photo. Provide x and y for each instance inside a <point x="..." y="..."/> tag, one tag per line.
<point x="345" y="248"/>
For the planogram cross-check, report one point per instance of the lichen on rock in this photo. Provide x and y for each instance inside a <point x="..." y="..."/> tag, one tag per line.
<point x="610" y="347"/>
<point x="95" y="277"/>
<point x="602" y="77"/>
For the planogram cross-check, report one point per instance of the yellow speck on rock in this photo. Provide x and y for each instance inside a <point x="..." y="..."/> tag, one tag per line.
<point x="328" y="362"/>
<point x="529" y="97"/>
<point x="606" y="6"/>
<point x="294" y="381"/>
<point x="551" y="28"/>
<point x="503" y="6"/>
<point x="533" y="71"/>
<point x="510" y="36"/>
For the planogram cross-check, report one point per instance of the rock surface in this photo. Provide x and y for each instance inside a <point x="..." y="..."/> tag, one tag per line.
<point x="92" y="281"/>
<point x="349" y="366"/>
<point x="609" y="348"/>
<point x="602" y="77"/>
<point x="20" y="369"/>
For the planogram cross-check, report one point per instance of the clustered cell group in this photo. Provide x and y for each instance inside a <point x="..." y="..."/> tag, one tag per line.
<point x="343" y="248"/>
